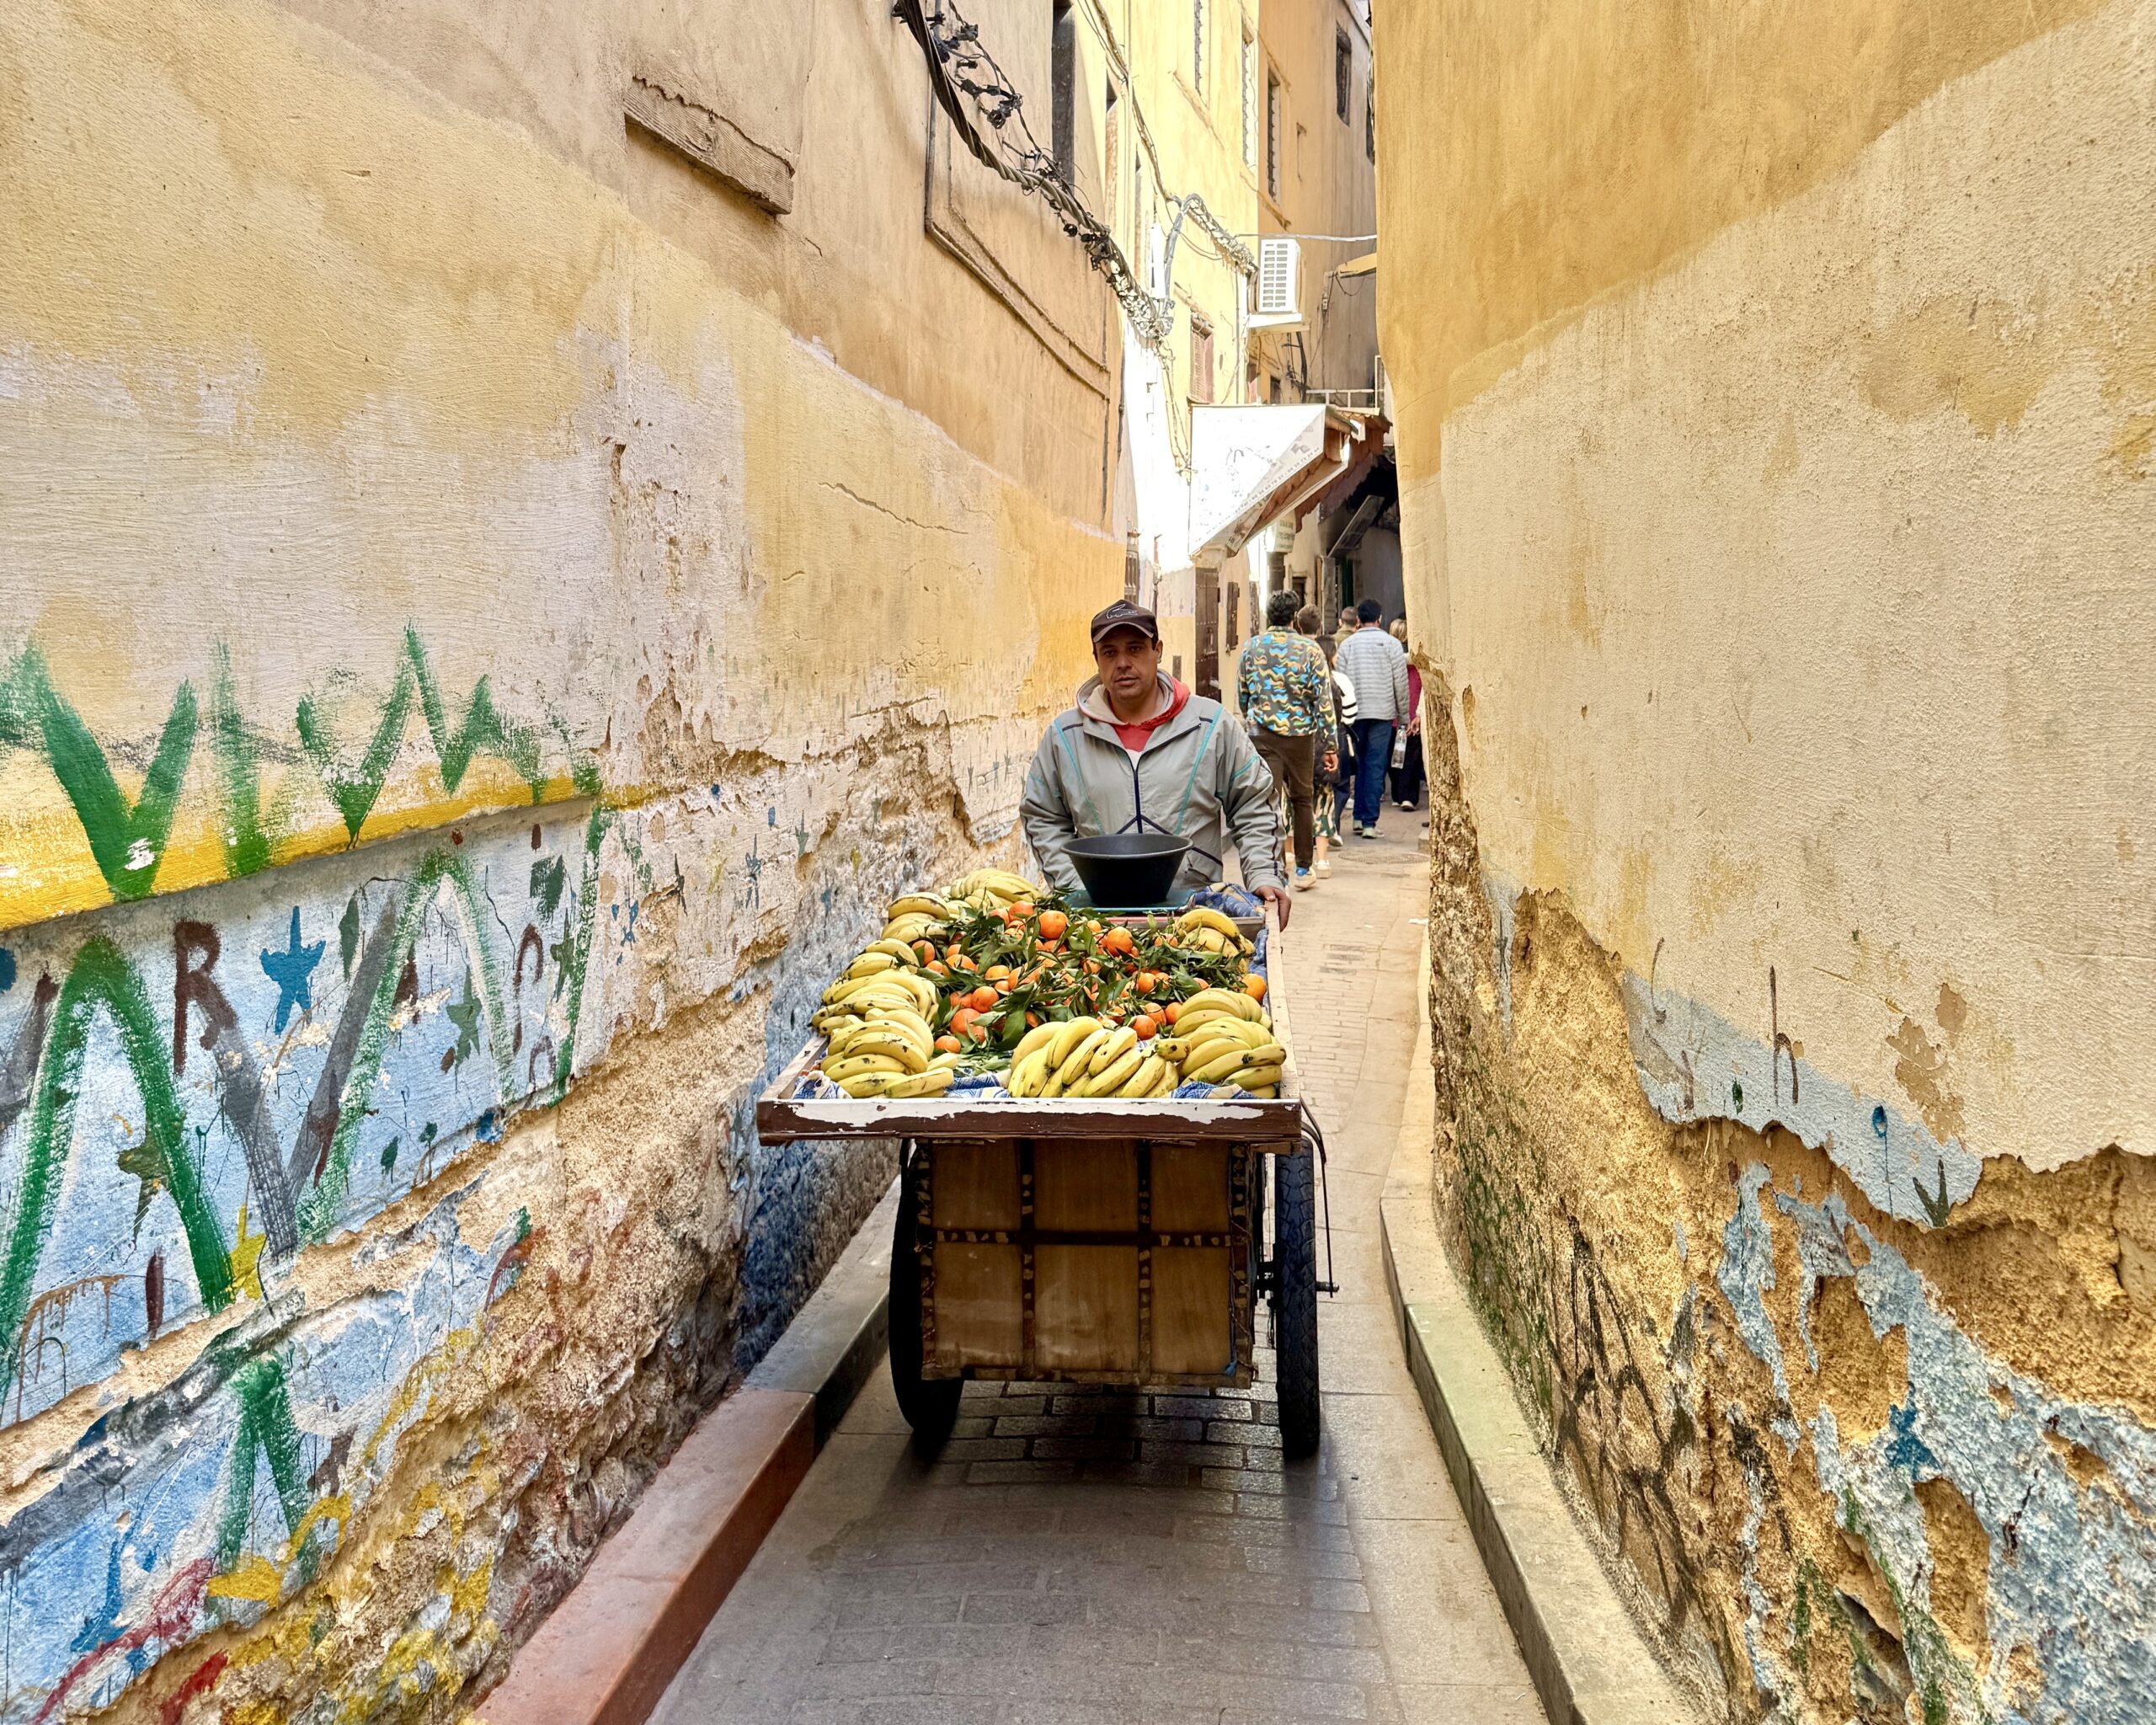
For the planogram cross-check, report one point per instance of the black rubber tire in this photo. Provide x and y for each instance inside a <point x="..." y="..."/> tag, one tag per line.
<point x="1294" y="1300"/>
<point x="930" y="1405"/>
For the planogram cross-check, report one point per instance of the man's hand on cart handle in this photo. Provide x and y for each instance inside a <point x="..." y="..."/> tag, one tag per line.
<point x="1279" y="899"/>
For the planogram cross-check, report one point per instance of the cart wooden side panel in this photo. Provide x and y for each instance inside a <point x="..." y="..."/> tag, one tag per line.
<point x="1086" y="1260"/>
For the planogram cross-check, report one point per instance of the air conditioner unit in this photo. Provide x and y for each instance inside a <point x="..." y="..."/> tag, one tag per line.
<point x="1279" y="267"/>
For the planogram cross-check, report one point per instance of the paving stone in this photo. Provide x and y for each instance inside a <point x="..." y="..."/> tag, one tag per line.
<point x="1092" y="1555"/>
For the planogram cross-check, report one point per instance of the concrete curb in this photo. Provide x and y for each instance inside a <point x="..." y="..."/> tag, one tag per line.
<point x="606" y="1653"/>
<point x="1590" y="1663"/>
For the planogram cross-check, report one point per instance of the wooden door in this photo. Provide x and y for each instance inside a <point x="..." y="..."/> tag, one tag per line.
<point x="1209" y="633"/>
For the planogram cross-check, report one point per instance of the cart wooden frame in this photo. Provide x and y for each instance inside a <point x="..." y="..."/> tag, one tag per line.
<point x="1093" y="1241"/>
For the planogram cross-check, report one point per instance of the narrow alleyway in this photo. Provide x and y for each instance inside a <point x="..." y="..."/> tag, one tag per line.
<point x="1082" y="1557"/>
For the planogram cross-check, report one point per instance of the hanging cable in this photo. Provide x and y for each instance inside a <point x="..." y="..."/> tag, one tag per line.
<point x="973" y="92"/>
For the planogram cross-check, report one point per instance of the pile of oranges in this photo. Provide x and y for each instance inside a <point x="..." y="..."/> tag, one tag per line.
<point x="1002" y="970"/>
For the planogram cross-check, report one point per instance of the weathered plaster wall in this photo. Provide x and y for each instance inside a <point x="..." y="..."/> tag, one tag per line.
<point x="489" y="614"/>
<point x="1773" y="423"/>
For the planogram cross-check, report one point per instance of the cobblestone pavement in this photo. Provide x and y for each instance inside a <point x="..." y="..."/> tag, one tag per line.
<point x="1083" y="1556"/>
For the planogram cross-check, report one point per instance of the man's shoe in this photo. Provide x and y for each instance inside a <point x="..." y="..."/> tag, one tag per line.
<point x="1304" y="880"/>
<point x="1359" y="830"/>
<point x="1368" y="832"/>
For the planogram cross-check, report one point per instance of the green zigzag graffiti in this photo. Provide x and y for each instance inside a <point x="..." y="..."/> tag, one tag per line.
<point x="128" y="839"/>
<point x="354" y="787"/>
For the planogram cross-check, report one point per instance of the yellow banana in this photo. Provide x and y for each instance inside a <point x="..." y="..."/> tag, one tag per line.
<point x="869" y="963"/>
<point x="902" y="1019"/>
<point x="891" y="1045"/>
<point x="1120" y="1043"/>
<point x="944" y="1063"/>
<point x="1214" y="1070"/>
<point x="1074" y="1033"/>
<point x="917" y="905"/>
<point x="858" y="1066"/>
<point x="1110" y="1079"/>
<point x="1266" y="1090"/>
<point x="866" y="1005"/>
<point x="1204" y="916"/>
<point x="912" y="1024"/>
<point x="1040" y="1036"/>
<point x="1211" y="1026"/>
<point x="1206" y="1053"/>
<point x="1028" y="1073"/>
<point x="1074" y="1068"/>
<point x="863" y="1084"/>
<point x="1255" y="1078"/>
<point x="897" y="948"/>
<point x="1146" y="1080"/>
<point x="1234" y="1000"/>
<point x="933" y="1082"/>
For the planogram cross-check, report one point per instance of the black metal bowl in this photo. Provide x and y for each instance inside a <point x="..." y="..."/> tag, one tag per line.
<point x="1128" y="871"/>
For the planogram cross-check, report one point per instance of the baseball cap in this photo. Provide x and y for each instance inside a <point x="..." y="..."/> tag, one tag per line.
<point x="1124" y="615"/>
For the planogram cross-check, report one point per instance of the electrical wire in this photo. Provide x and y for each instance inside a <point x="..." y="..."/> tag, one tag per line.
<point x="960" y="68"/>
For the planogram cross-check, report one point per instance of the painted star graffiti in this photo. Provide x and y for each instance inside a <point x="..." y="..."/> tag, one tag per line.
<point x="293" y="972"/>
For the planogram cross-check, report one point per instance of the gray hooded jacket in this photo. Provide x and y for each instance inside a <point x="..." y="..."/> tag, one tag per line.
<point x="1198" y="778"/>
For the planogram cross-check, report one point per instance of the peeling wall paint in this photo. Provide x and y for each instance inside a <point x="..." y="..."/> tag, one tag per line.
<point x="1768" y="419"/>
<point x="490" y="616"/>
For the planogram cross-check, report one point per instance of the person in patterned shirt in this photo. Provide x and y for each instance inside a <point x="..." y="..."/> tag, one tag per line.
<point x="1284" y="693"/>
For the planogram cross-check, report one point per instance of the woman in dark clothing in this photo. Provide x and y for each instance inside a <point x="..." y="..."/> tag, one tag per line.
<point x="1407" y="776"/>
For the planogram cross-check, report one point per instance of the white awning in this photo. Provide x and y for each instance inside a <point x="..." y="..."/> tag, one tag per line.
<point x="1250" y="465"/>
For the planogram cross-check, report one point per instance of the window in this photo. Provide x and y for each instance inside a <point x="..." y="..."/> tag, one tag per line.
<point x="1249" y="98"/>
<point x="1272" y="134"/>
<point x="1111" y="164"/>
<point x="1062" y="89"/>
<point x="1343" y="72"/>
<point x="1201" y="359"/>
<point x="1198" y="46"/>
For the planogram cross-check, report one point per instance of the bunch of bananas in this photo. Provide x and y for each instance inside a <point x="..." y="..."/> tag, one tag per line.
<point x="1086" y="1057"/>
<point x="916" y="917"/>
<point x="1210" y="931"/>
<point x="994" y="889"/>
<point x="1225" y="1038"/>
<point x="876" y="1018"/>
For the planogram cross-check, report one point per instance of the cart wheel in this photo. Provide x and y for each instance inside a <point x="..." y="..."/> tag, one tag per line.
<point x="1294" y="1300"/>
<point x="930" y="1405"/>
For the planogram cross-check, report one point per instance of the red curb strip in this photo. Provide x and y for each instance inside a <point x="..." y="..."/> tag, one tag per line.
<point x="606" y="1653"/>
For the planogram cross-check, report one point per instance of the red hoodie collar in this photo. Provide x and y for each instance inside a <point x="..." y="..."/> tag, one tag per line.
<point x="1136" y="737"/>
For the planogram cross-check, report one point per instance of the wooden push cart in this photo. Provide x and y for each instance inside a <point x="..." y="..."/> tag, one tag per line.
<point x="1099" y="1241"/>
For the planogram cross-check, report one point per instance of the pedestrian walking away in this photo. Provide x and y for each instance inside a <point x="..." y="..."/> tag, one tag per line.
<point x="1283" y="689"/>
<point x="1343" y="730"/>
<point x="1407" y="776"/>
<point x="1326" y="779"/>
<point x="1377" y="665"/>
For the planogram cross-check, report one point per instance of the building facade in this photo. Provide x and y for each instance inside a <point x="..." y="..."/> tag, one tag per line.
<point x="524" y="524"/>
<point x="1774" y="394"/>
<point x="1222" y="122"/>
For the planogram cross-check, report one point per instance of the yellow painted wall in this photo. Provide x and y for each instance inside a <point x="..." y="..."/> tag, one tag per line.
<point x="1774" y="390"/>
<point x="372" y="396"/>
